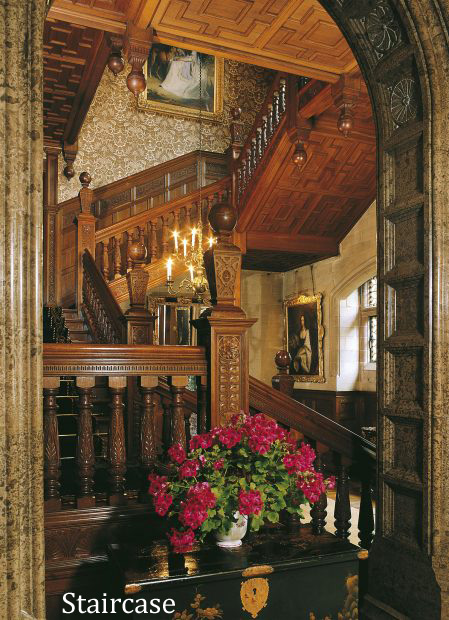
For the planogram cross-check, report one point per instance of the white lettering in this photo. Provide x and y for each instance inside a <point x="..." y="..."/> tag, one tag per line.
<point x="80" y="605"/>
<point x="65" y="598"/>
<point x="93" y="606"/>
<point x="154" y="605"/>
<point x="171" y="602"/>
<point x="127" y="600"/>
<point x="113" y="602"/>
<point x="141" y="606"/>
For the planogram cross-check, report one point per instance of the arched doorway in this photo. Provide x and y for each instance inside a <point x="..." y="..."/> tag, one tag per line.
<point x="403" y="51"/>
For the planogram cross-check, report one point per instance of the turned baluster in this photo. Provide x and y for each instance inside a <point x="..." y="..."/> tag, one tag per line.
<point x="178" y="431"/>
<point x="85" y="455"/>
<point x="239" y="183"/>
<point x="153" y="244"/>
<point x="165" y="235"/>
<point x="249" y="168"/>
<point x="270" y="126"/>
<point x="254" y="153"/>
<point x="117" y="257"/>
<point x="264" y="133"/>
<point x="188" y="218"/>
<point x="366" y="515"/>
<point x="148" y="452"/>
<point x="130" y="239"/>
<point x="116" y="442"/>
<point x="176" y="221"/>
<point x="141" y="235"/>
<point x="342" y="504"/>
<point x="259" y="148"/>
<point x="276" y="114"/>
<point x="105" y="263"/>
<point x="282" y="96"/>
<point x="318" y="511"/>
<point x="201" y="391"/>
<point x="52" y="461"/>
<point x="166" y="423"/>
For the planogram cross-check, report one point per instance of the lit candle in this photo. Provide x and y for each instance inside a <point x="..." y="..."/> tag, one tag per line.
<point x="211" y="241"/>
<point x="184" y="243"/>
<point x="175" y="235"/>
<point x="169" y="262"/>
<point x="191" y="272"/>
<point x="193" y="237"/>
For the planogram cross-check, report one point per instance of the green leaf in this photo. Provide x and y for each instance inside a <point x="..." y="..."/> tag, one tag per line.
<point x="273" y="517"/>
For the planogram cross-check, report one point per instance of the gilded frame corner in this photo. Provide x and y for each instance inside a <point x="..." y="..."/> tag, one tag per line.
<point x="298" y="301"/>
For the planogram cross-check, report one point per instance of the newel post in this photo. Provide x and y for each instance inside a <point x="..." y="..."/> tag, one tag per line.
<point x="223" y="328"/>
<point x="85" y="232"/>
<point x="283" y="381"/>
<point x="139" y="321"/>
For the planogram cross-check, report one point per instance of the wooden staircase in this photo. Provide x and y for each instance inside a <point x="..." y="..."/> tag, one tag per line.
<point x="77" y="328"/>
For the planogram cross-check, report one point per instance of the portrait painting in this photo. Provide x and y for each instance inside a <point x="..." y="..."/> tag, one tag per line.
<point x="304" y="337"/>
<point x="180" y="82"/>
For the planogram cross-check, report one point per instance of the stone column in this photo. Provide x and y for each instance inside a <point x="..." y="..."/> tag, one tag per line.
<point x="21" y="423"/>
<point x="222" y="329"/>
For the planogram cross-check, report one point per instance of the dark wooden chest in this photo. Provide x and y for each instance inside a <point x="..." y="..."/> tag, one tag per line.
<point x="274" y="575"/>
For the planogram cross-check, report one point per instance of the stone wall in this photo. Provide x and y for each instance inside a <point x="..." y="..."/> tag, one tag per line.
<point x="117" y="139"/>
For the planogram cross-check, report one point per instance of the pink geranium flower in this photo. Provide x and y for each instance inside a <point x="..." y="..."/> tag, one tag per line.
<point x="177" y="453"/>
<point x="250" y="502"/>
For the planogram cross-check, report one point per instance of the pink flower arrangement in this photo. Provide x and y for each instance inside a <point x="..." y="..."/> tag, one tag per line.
<point x="251" y="467"/>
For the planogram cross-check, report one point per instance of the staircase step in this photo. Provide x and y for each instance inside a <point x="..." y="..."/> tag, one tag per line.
<point x="76" y="324"/>
<point x="79" y="335"/>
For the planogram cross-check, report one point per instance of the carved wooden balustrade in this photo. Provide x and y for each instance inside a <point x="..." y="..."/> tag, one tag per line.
<point x="136" y="440"/>
<point x="154" y="229"/>
<point x="245" y="158"/>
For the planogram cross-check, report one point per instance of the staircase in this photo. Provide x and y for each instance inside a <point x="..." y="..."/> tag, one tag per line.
<point x="76" y="326"/>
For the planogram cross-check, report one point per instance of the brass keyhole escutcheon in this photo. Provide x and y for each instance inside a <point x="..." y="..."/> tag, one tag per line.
<point x="254" y="595"/>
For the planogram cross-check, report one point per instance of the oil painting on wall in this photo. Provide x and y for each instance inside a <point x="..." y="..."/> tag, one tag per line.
<point x="180" y="81"/>
<point x="304" y="337"/>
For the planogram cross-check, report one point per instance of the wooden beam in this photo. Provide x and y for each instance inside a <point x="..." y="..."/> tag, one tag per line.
<point x="109" y="21"/>
<point x="298" y="244"/>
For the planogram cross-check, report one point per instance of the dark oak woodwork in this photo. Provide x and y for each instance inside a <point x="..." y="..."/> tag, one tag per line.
<point x="148" y="451"/>
<point x="52" y="462"/>
<point x="342" y="504"/>
<point x="178" y="431"/>
<point x="116" y="447"/>
<point x="366" y="515"/>
<point x="85" y="457"/>
<point x="318" y="511"/>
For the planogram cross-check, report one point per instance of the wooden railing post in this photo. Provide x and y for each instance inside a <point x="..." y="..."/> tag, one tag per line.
<point x="85" y="232"/>
<point x="148" y="448"/>
<point x="178" y="431"/>
<point x="202" y="422"/>
<point x="318" y="511"/>
<point x="166" y="423"/>
<point x="52" y="461"/>
<point x="117" y="450"/>
<point x="140" y="322"/>
<point x="223" y="328"/>
<point x="85" y="455"/>
<point x="366" y="514"/>
<point x="283" y="381"/>
<point x="342" y="504"/>
<point x="50" y="222"/>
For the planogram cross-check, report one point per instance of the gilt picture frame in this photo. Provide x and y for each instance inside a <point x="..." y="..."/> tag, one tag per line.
<point x="304" y="334"/>
<point x="173" y="83"/>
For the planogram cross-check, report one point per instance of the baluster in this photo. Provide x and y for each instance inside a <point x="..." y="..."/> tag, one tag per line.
<point x="249" y="168"/>
<point x="276" y="114"/>
<point x="52" y="461"/>
<point x="85" y="455"/>
<point x="148" y="453"/>
<point x="366" y="515"/>
<point x="259" y="144"/>
<point x="175" y="222"/>
<point x="282" y="96"/>
<point x="188" y="218"/>
<point x="264" y="133"/>
<point x="254" y="153"/>
<point x="166" y="423"/>
<point x="153" y="245"/>
<point x="244" y="176"/>
<point x="239" y="183"/>
<point x="117" y="257"/>
<point x="105" y="246"/>
<point x="165" y="235"/>
<point x="141" y="235"/>
<point x="318" y="511"/>
<point x="116" y="444"/>
<point x="270" y="126"/>
<point x="178" y="432"/>
<point x="201" y="391"/>
<point x="342" y="504"/>
<point x="130" y="239"/>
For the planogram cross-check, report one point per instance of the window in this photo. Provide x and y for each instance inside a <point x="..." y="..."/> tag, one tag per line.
<point x="368" y="311"/>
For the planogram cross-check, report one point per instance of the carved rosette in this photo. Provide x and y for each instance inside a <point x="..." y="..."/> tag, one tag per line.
<point x="229" y="376"/>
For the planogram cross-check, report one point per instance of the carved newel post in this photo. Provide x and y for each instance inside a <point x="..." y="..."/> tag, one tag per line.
<point x="222" y="329"/>
<point x="283" y="381"/>
<point x="139" y="320"/>
<point x="85" y="232"/>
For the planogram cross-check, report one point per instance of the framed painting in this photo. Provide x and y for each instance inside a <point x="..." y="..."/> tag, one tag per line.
<point x="304" y="337"/>
<point x="173" y="83"/>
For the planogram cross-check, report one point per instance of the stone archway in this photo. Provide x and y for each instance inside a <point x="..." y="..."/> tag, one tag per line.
<point x="402" y="50"/>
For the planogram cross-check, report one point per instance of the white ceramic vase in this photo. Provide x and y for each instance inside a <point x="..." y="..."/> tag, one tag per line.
<point x="233" y="538"/>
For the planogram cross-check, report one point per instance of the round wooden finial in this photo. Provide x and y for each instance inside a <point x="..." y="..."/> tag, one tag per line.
<point x="299" y="157"/>
<point x="85" y="179"/>
<point x="136" y="82"/>
<point x="69" y="171"/>
<point x="282" y="360"/>
<point x="222" y="219"/>
<point x="345" y="122"/>
<point x="137" y="251"/>
<point x="115" y="62"/>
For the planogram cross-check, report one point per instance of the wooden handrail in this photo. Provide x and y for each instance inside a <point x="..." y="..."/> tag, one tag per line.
<point x="309" y="422"/>
<point x="95" y="284"/>
<point x="85" y="359"/>
<point x="173" y="205"/>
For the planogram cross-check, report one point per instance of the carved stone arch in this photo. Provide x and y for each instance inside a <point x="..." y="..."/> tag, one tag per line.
<point x="402" y="50"/>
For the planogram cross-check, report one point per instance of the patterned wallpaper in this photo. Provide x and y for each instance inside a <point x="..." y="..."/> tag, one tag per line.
<point x="117" y="140"/>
